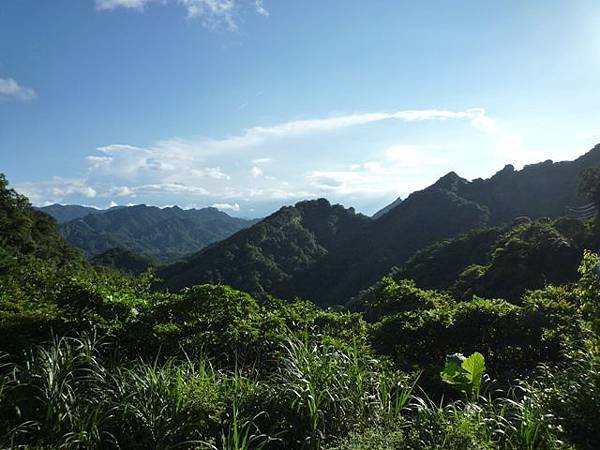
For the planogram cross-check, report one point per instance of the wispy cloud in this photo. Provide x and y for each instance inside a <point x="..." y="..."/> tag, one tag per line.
<point x="212" y="13"/>
<point x="127" y="4"/>
<point x="300" y="127"/>
<point x="260" y="8"/>
<point x="9" y="88"/>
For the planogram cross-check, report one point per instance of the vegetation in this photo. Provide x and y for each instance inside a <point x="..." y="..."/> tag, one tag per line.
<point x="91" y="358"/>
<point x="124" y="261"/>
<point x="503" y="262"/>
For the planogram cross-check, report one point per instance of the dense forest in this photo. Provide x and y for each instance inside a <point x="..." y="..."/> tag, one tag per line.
<point x="472" y="327"/>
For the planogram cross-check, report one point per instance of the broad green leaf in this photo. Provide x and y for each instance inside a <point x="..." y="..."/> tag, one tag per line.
<point x="474" y="367"/>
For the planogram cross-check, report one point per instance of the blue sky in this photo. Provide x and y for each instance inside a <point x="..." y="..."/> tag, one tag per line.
<point x="251" y="105"/>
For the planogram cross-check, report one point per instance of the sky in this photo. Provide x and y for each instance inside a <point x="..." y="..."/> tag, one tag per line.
<point x="248" y="105"/>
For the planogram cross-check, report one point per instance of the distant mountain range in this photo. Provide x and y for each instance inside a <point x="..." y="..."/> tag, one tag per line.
<point x="165" y="234"/>
<point x="66" y="213"/>
<point x="327" y="253"/>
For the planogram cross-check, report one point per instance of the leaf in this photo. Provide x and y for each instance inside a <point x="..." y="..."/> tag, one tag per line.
<point x="453" y="372"/>
<point x="474" y="366"/>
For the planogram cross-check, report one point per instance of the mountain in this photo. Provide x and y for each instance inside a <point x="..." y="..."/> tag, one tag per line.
<point x="284" y="256"/>
<point x="66" y="213"/>
<point x="160" y="233"/>
<point x="387" y="208"/>
<point x="538" y="190"/>
<point x="267" y="257"/>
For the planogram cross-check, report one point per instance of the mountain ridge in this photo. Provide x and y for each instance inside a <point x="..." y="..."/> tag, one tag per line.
<point x="447" y="208"/>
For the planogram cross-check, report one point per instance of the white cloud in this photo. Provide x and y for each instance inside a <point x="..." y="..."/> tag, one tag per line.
<point x="410" y="156"/>
<point x="56" y="190"/>
<point x="211" y="172"/>
<point x="113" y="4"/>
<point x="11" y="89"/>
<point x="260" y="8"/>
<point x="302" y="127"/>
<point x="122" y="191"/>
<point x="212" y="13"/>
<point x="256" y="172"/>
<point x="226" y="206"/>
<point x="261" y="160"/>
<point x="379" y="177"/>
<point x="170" y="188"/>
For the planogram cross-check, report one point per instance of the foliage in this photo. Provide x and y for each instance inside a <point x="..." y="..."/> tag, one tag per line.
<point x="25" y="231"/>
<point x="528" y="256"/>
<point x="464" y="374"/>
<point x="514" y="338"/>
<point x="588" y="290"/>
<point x="503" y="261"/>
<point x="124" y="261"/>
<point x="388" y="297"/>
<point x="439" y="265"/>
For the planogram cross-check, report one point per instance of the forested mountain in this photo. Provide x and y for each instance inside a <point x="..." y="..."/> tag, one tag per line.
<point x="368" y="249"/>
<point x="161" y="233"/>
<point x="267" y="257"/>
<point x="66" y="213"/>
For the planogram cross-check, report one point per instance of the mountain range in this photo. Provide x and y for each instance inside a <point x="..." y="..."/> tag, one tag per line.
<point x="66" y="213"/>
<point x="328" y="253"/>
<point x="165" y="234"/>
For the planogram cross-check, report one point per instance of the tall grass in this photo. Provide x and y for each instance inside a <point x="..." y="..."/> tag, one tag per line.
<point x="333" y="391"/>
<point x="59" y="396"/>
<point x="67" y="395"/>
